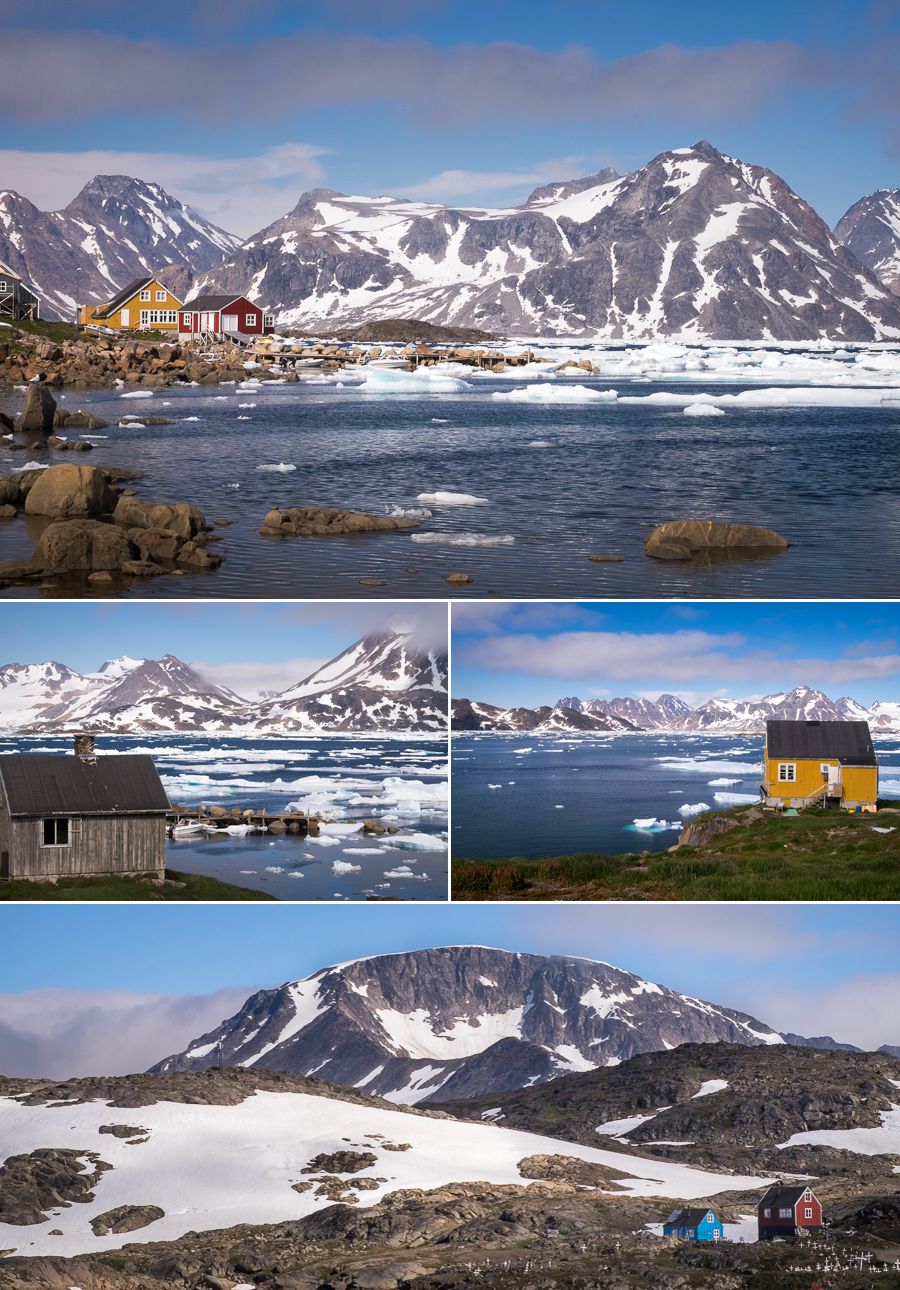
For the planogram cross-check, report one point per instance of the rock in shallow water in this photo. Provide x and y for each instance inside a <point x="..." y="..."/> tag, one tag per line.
<point x="63" y="492"/>
<point x="321" y="521"/>
<point x="682" y="539"/>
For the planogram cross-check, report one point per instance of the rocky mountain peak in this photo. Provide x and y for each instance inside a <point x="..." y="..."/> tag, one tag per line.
<point x="561" y="189"/>
<point x="459" y="1020"/>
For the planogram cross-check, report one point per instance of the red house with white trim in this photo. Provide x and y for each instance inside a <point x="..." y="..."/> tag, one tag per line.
<point x="788" y="1212"/>
<point x="216" y="317"/>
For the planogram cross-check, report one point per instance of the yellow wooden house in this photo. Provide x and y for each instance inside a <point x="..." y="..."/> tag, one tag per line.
<point x="820" y="763"/>
<point x="144" y="305"/>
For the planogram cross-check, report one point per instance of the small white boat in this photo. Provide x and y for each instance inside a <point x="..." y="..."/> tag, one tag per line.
<point x="309" y="362"/>
<point x="234" y="830"/>
<point x="403" y="363"/>
<point x="188" y="829"/>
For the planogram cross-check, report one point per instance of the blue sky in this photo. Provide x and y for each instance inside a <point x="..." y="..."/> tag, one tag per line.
<point x="98" y="987"/>
<point x="534" y="654"/>
<point x="249" y="647"/>
<point x="461" y="101"/>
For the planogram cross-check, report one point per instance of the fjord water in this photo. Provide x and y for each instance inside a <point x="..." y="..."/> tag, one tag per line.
<point x="397" y="781"/>
<point x="564" y="481"/>
<point x="561" y="795"/>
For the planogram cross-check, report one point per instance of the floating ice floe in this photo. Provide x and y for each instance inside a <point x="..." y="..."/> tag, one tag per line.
<point x="703" y="410"/>
<point x="137" y="394"/>
<point x="696" y="808"/>
<point x="539" y="443"/>
<point x="445" y="498"/>
<point x="190" y="418"/>
<point x="463" y="539"/>
<point x="804" y="396"/>
<point x="280" y="467"/>
<point x="722" y="783"/>
<point x="495" y="785"/>
<point x="343" y="866"/>
<point x="426" y="380"/>
<point x="654" y="825"/>
<point x="736" y="799"/>
<point x="410" y="512"/>
<point x="29" y="465"/>
<point x="551" y="393"/>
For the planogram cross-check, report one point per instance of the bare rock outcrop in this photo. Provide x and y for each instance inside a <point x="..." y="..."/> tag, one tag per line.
<point x="322" y="521"/>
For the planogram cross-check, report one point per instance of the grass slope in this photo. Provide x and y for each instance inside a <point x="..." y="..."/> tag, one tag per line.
<point x="177" y="886"/>
<point x="817" y="855"/>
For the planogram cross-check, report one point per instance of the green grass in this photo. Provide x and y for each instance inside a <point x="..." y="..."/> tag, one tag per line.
<point x="818" y="855"/>
<point x="178" y="886"/>
<point x="55" y="331"/>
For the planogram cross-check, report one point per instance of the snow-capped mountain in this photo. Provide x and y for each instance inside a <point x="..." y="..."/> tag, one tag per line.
<point x="382" y="683"/>
<point x="460" y="1021"/>
<point x="694" y="244"/>
<point x="668" y="712"/>
<point x="469" y="715"/>
<point x="116" y="229"/>
<point x="871" y="230"/>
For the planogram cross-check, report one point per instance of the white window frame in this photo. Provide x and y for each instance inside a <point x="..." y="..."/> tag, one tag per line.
<point x="161" y="295"/>
<point x="146" y="295"/>
<point x="808" y="1213"/>
<point x="785" y="1213"/>
<point x="250" y="320"/>
<point x="787" y="772"/>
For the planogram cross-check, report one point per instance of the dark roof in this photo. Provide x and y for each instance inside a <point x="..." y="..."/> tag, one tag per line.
<point x="125" y="294"/>
<point x="51" y="784"/>
<point x="848" y="741"/>
<point x="208" y="303"/>
<point x="688" y="1217"/>
<point x="783" y="1197"/>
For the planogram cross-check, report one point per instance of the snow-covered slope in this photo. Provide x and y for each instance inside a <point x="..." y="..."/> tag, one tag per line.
<point x="871" y="230"/>
<point x="115" y="230"/>
<point x="382" y="683"/>
<point x="460" y="1021"/>
<point x="668" y="712"/>
<point x="694" y="244"/>
<point x="217" y="1166"/>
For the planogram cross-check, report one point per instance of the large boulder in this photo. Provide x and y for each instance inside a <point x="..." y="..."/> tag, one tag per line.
<point x="682" y="539"/>
<point x="320" y="521"/>
<point x="180" y="518"/>
<point x="82" y="546"/>
<point x="40" y="408"/>
<point x="64" y="492"/>
<point x="698" y="832"/>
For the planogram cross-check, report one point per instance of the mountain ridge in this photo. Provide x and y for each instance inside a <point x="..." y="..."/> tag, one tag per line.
<point x="434" y="1025"/>
<point x="385" y="682"/>
<point x="670" y="713"/>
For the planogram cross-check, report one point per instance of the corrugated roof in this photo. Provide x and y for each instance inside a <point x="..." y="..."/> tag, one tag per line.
<point x="125" y="294"/>
<point x="687" y="1217"/>
<point x="48" y="784"/>
<point x="207" y="304"/>
<point x="849" y="742"/>
<point x="783" y="1196"/>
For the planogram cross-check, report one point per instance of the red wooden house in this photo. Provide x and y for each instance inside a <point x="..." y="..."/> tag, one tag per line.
<point x="788" y="1212"/>
<point x="215" y="317"/>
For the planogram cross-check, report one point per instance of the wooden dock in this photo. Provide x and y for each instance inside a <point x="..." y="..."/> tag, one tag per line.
<point x="224" y="817"/>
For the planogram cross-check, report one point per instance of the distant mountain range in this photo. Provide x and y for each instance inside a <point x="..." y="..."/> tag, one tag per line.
<point x="116" y="229"/>
<point x="668" y="712"/>
<point x="384" y="682"/>
<point x="695" y="244"/>
<point x="462" y="1021"/>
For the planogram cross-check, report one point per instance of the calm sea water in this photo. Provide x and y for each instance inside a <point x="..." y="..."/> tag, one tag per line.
<point x="605" y="475"/>
<point x="401" y="782"/>
<point x="520" y="795"/>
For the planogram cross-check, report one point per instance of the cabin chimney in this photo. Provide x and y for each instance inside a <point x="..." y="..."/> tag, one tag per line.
<point x="84" y="745"/>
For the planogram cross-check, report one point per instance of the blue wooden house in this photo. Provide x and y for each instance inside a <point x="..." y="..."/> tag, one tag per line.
<point x="694" y="1225"/>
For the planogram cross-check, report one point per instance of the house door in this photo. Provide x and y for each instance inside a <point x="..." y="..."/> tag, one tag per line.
<point x="229" y="322"/>
<point x="4" y="865"/>
<point x="123" y="314"/>
<point x="834" y="781"/>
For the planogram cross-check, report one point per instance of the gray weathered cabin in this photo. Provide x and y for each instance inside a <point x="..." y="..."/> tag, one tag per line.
<point x="17" y="300"/>
<point x="81" y="816"/>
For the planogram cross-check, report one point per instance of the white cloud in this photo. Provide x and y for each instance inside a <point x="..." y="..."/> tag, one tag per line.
<point x="251" y="680"/>
<point x="65" y="1033"/>
<point x="449" y="184"/>
<point x="240" y="194"/>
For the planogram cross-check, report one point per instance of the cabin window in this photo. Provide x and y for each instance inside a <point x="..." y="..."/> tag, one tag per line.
<point x="145" y="295"/>
<point x="787" y="772"/>
<point x="249" y="320"/>
<point x="785" y="1213"/>
<point x="149" y="317"/>
<point x="161" y="295"/>
<point x="3" y="285"/>
<point x="56" y="833"/>
<point x="767" y="1213"/>
<point x="807" y="1213"/>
